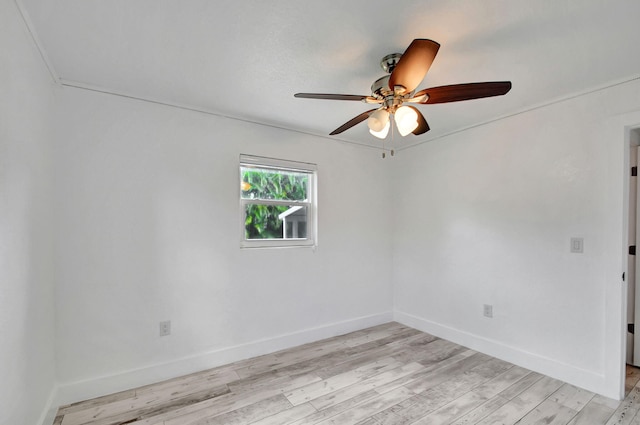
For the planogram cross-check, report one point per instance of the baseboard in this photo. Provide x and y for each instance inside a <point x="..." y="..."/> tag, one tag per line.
<point x="71" y="392"/>
<point x="565" y="372"/>
<point x="50" y="409"/>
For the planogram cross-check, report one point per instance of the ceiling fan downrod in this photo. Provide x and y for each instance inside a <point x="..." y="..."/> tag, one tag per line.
<point x="389" y="62"/>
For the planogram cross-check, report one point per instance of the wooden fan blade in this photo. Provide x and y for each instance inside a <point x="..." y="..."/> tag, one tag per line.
<point x="422" y="127"/>
<point x="414" y="64"/>
<point x="468" y="91"/>
<point x="353" y="121"/>
<point x="330" y="96"/>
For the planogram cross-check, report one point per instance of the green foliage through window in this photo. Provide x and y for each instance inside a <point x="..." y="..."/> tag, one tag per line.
<point x="262" y="220"/>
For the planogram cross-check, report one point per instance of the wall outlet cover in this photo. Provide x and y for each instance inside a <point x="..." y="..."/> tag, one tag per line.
<point x="577" y="245"/>
<point x="165" y="328"/>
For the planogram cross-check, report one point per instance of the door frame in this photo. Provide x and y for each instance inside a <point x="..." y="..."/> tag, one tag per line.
<point x="632" y="356"/>
<point x="616" y="249"/>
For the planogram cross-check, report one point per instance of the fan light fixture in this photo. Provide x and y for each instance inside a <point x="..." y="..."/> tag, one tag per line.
<point x="378" y="120"/>
<point x="406" y="119"/>
<point x="382" y="134"/>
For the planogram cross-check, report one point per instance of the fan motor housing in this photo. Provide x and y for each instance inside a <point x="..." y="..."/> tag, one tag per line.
<point x="380" y="87"/>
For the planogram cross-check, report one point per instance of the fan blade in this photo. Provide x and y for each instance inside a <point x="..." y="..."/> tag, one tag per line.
<point x="422" y="127"/>
<point x="330" y="96"/>
<point x="414" y="64"/>
<point x="353" y="121"/>
<point x="459" y="92"/>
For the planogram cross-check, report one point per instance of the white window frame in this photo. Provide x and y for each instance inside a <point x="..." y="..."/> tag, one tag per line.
<point x="311" y="204"/>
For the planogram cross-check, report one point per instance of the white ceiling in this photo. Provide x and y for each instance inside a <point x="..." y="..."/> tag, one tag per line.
<point x="247" y="58"/>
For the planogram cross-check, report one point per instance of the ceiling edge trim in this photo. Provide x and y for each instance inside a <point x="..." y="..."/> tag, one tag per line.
<point x="96" y="89"/>
<point x="531" y="108"/>
<point x="36" y="41"/>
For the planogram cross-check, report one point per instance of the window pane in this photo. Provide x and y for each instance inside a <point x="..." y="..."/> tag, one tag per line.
<point x="275" y="222"/>
<point x="259" y="183"/>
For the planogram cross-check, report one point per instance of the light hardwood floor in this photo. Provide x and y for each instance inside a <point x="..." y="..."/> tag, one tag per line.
<point x="388" y="374"/>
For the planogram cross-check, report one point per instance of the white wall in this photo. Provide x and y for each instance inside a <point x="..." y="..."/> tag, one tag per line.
<point x="487" y="219"/>
<point x="149" y="230"/>
<point x="27" y="369"/>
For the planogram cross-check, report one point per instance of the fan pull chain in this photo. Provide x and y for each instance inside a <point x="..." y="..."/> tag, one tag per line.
<point x="392" y="135"/>
<point x="391" y="151"/>
<point x="384" y="155"/>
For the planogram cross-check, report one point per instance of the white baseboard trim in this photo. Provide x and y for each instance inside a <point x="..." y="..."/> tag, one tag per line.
<point x="70" y="392"/>
<point x="582" y="378"/>
<point x="50" y="409"/>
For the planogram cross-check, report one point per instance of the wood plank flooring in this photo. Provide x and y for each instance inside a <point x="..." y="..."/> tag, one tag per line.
<point x="384" y="375"/>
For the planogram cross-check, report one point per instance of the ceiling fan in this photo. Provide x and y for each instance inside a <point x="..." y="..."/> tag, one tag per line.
<point x="392" y="91"/>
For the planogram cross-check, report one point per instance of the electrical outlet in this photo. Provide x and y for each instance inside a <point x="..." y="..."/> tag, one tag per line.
<point x="165" y="328"/>
<point x="577" y="245"/>
<point x="488" y="310"/>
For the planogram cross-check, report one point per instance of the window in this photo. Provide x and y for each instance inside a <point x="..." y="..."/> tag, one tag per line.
<point x="277" y="202"/>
